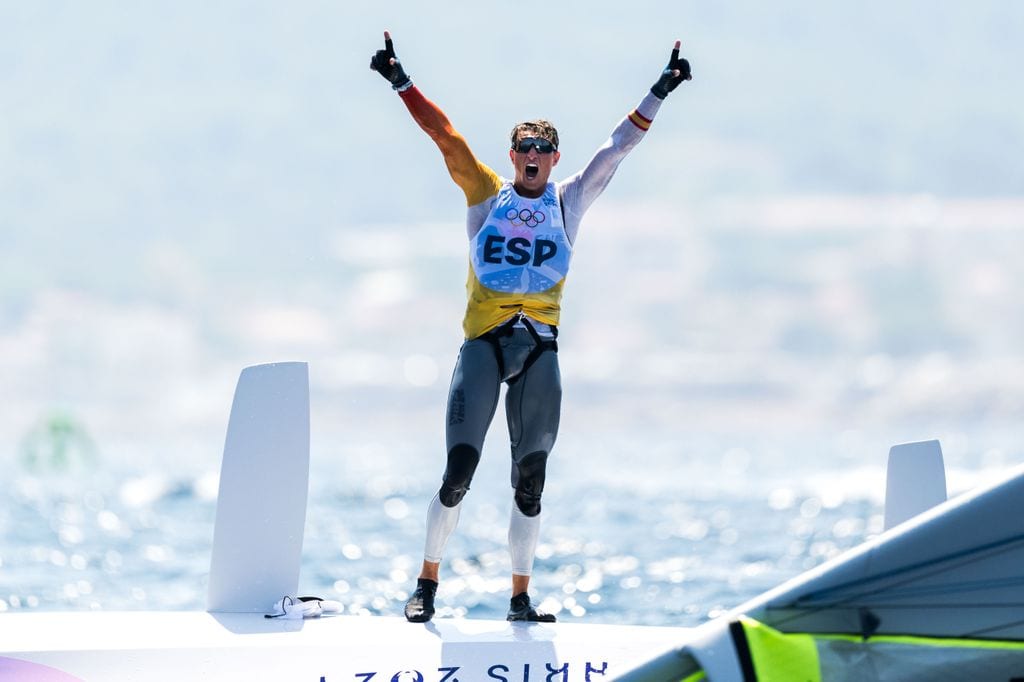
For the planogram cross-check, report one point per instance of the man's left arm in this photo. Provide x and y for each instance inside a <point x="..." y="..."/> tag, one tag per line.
<point x="580" y="191"/>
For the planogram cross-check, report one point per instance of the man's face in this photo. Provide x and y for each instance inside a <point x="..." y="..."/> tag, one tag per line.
<point x="532" y="166"/>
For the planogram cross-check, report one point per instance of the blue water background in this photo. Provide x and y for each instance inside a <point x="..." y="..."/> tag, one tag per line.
<point x="637" y="529"/>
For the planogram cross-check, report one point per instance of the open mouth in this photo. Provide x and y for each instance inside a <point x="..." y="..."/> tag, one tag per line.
<point x="531" y="171"/>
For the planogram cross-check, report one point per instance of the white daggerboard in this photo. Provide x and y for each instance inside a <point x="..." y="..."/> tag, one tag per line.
<point x="915" y="481"/>
<point x="264" y="483"/>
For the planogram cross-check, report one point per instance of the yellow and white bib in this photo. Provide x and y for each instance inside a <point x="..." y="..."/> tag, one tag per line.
<point x="518" y="261"/>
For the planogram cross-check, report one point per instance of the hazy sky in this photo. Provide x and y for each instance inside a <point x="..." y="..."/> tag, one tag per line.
<point x="193" y="178"/>
<point x="238" y="126"/>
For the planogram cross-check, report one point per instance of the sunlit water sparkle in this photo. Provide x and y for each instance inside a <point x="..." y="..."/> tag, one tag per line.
<point x="672" y="540"/>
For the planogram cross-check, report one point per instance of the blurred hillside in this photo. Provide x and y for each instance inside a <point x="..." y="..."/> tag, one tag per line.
<point x="821" y="232"/>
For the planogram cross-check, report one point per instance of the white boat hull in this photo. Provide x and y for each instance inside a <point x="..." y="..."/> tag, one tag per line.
<point x="174" y="646"/>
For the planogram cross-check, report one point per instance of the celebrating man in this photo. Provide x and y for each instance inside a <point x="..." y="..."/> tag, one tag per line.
<point x="521" y="234"/>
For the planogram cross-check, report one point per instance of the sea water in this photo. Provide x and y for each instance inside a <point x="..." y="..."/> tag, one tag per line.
<point x="638" y="529"/>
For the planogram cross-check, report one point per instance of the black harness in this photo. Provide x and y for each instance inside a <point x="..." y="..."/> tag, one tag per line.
<point x="506" y="329"/>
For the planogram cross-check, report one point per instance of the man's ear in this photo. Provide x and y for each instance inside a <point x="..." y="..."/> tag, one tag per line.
<point x="558" y="155"/>
<point x="512" y="156"/>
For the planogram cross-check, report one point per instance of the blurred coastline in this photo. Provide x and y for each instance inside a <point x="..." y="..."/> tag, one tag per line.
<point x="782" y="315"/>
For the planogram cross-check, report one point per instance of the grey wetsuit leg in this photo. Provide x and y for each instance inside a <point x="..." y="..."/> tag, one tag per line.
<point x="472" y="401"/>
<point x="473" y="396"/>
<point x="532" y="406"/>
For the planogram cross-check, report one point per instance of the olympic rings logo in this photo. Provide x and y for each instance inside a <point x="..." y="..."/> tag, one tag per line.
<point x="525" y="217"/>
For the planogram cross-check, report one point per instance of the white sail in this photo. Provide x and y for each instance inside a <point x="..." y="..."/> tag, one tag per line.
<point x="946" y="585"/>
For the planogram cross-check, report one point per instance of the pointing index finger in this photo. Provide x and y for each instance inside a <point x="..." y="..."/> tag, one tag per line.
<point x="388" y="44"/>
<point x="675" y="51"/>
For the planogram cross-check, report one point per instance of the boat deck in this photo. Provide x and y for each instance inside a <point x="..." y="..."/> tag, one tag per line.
<point x="155" y="646"/>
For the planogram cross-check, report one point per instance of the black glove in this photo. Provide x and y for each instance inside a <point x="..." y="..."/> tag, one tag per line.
<point x="669" y="81"/>
<point x="386" y="64"/>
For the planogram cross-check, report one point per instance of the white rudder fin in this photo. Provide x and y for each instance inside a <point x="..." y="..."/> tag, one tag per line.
<point x="915" y="481"/>
<point x="264" y="484"/>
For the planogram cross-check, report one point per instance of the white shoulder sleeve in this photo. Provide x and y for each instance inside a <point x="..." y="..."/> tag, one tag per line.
<point x="578" y="192"/>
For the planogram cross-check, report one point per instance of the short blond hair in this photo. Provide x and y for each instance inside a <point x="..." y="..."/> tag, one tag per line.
<point x="537" y="128"/>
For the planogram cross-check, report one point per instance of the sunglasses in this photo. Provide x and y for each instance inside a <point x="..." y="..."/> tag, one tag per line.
<point x="539" y="143"/>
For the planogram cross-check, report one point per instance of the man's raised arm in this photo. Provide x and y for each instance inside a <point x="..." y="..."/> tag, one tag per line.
<point x="580" y="190"/>
<point x="476" y="180"/>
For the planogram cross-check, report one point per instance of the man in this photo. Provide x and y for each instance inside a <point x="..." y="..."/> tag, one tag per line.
<point x="521" y="234"/>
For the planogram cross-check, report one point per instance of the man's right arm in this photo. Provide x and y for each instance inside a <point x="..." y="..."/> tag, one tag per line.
<point x="476" y="179"/>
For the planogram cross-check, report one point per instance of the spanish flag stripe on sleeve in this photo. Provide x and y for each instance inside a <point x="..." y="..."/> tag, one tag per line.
<point x="639" y="120"/>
